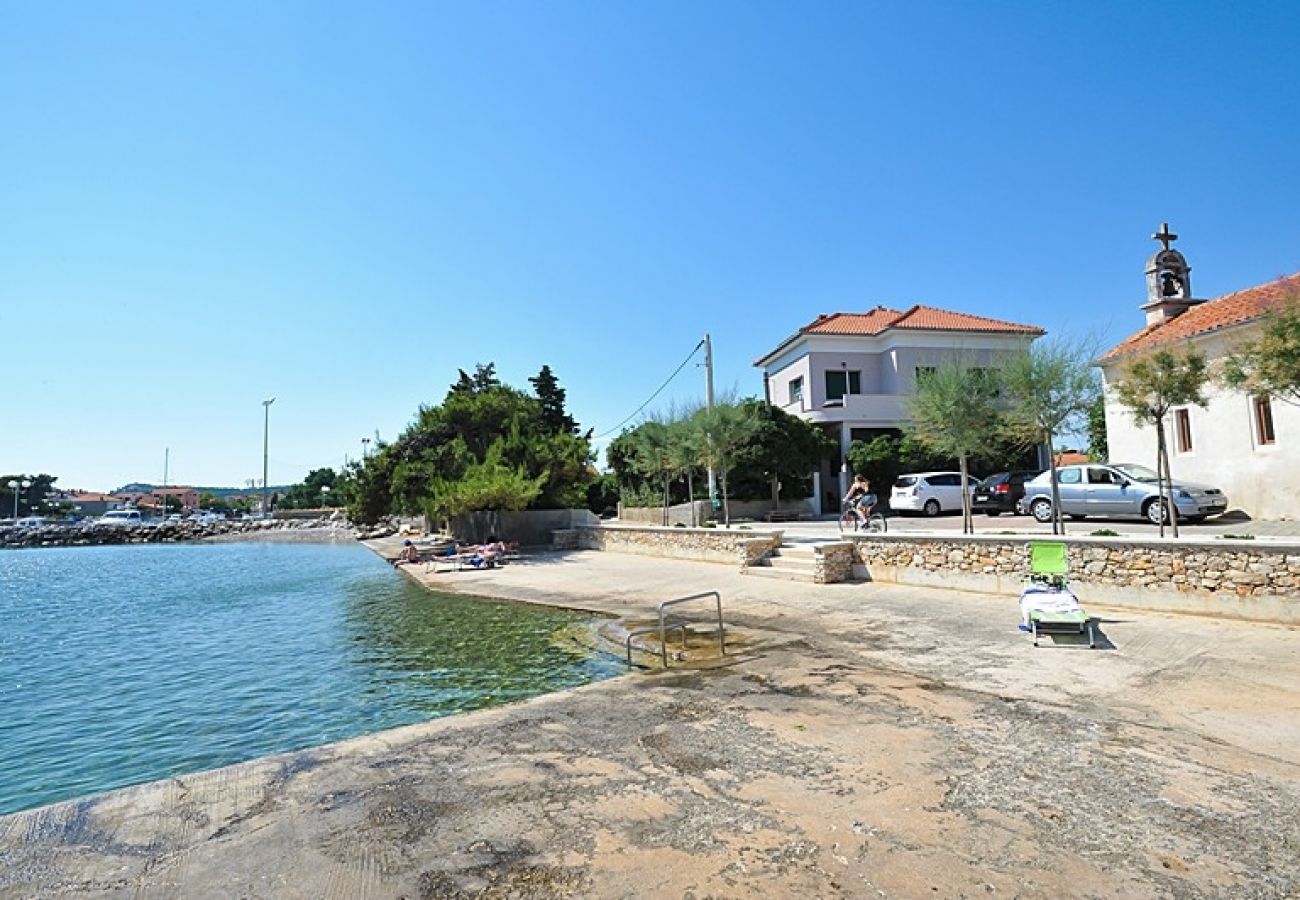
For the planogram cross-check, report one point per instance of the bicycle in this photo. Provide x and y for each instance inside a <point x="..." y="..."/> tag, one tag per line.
<point x="850" y="520"/>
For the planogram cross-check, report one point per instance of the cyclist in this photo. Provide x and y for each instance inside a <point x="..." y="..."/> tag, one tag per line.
<point x="861" y="498"/>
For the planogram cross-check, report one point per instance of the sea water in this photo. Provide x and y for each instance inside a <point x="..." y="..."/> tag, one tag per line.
<point x="126" y="664"/>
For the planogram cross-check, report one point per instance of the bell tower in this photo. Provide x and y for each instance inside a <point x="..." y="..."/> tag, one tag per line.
<point x="1169" y="281"/>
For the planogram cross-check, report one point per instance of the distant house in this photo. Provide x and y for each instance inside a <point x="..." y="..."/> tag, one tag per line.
<point x="88" y="503"/>
<point x="850" y="372"/>
<point x="188" y="497"/>
<point x="1248" y="446"/>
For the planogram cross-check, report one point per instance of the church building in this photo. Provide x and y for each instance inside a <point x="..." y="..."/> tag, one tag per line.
<point x="1248" y="446"/>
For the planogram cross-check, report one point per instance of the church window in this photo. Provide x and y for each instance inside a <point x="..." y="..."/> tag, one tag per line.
<point x="1264" y="420"/>
<point x="1183" y="430"/>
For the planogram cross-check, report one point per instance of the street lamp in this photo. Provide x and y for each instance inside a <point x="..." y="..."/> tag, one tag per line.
<point x="266" y="436"/>
<point x="365" y="448"/>
<point x="14" y="485"/>
<point x="324" y="496"/>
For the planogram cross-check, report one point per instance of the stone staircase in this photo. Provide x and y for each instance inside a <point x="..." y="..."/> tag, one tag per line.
<point x="792" y="562"/>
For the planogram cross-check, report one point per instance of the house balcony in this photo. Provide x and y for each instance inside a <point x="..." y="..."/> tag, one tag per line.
<point x="862" y="410"/>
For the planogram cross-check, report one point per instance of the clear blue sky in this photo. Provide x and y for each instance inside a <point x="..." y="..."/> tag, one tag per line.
<point x="203" y="205"/>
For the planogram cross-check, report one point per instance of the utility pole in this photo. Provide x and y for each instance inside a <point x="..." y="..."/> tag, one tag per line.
<point x="266" y="456"/>
<point x="708" y="403"/>
<point x="167" y="458"/>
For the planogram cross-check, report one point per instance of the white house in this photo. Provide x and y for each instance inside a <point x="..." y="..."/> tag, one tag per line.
<point x="850" y="372"/>
<point x="1247" y="446"/>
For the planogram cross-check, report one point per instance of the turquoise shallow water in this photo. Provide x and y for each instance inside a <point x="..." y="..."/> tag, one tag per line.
<point x="126" y="664"/>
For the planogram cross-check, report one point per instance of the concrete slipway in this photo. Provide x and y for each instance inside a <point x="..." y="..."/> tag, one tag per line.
<point x="878" y="741"/>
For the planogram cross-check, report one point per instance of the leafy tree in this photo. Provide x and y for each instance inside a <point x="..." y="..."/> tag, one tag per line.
<point x="1269" y="365"/>
<point x="491" y="485"/>
<point x="652" y="457"/>
<point x="724" y="430"/>
<point x="956" y="411"/>
<point x="29" y="498"/>
<point x="1051" y="387"/>
<point x="1098" y="447"/>
<point x="603" y="493"/>
<point x="451" y="442"/>
<point x="781" y="454"/>
<point x="886" y="456"/>
<point x="1150" y="387"/>
<point x="309" y="493"/>
<point x="549" y="393"/>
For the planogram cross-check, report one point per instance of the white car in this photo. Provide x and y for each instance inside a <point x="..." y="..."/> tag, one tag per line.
<point x="929" y="492"/>
<point x="119" y="517"/>
<point x="32" y="522"/>
<point x="207" y="518"/>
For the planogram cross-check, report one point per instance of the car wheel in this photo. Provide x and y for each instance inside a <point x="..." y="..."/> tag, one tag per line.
<point x="1155" y="512"/>
<point x="992" y="513"/>
<point x="1041" y="510"/>
<point x="932" y="508"/>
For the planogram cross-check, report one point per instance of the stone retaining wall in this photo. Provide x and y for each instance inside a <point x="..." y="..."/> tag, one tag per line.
<point x="833" y="562"/>
<point x="1234" y="579"/>
<point x="724" y="545"/>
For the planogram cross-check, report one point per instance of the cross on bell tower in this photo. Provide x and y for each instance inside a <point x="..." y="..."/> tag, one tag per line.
<point x="1164" y="235"/>
<point x="1169" y="280"/>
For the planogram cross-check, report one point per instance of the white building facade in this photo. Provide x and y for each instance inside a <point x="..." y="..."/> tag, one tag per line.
<point x="850" y="373"/>
<point x="1245" y="445"/>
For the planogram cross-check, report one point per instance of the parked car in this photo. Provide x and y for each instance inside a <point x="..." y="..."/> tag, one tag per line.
<point x="119" y="517"/>
<point x="32" y="522"/>
<point x="929" y="492"/>
<point x="1001" y="493"/>
<point x="207" y="517"/>
<point x="1119" y="489"/>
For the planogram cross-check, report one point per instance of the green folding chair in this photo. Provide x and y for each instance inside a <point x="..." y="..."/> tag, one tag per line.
<point x="1047" y="564"/>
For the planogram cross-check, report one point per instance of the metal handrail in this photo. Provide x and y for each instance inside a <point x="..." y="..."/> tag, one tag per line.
<point x="663" y="647"/>
<point x="722" y="644"/>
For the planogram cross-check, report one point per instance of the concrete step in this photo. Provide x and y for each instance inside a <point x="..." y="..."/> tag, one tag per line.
<point x="781" y="572"/>
<point x="792" y="562"/>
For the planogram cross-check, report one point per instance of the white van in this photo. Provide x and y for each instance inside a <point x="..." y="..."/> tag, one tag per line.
<point x="32" y="522"/>
<point x="121" y="517"/>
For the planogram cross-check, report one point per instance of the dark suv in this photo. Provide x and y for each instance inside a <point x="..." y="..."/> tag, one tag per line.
<point x="999" y="493"/>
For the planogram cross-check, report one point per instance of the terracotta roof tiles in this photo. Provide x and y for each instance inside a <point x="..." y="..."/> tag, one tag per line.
<point x="1212" y="315"/>
<point x="925" y="318"/>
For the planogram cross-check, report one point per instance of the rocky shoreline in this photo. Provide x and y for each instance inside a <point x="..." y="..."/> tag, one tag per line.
<point x="93" y="535"/>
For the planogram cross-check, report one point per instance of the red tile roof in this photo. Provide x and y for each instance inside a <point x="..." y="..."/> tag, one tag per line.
<point x="1221" y="312"/>
<point x="918" y="318"/>
<point x="922" y="318"/>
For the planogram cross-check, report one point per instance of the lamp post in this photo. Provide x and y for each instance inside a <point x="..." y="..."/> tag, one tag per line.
<point x="14" y="485"/>
<point x="324" y="496"/>
<point x="266" y="458"/>
<point x="365" y="449"/>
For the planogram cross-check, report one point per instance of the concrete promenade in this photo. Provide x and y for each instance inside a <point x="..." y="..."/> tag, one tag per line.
<point x="880" y="741"/>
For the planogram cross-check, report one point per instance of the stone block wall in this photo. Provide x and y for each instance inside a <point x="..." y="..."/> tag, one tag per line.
<point x="1234" y="579"/>
<point x="720" y="545"/>
<point x="833" y="562"/>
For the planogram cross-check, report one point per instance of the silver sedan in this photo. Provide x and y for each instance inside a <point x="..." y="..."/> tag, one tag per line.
<point x="1120" y="489"/>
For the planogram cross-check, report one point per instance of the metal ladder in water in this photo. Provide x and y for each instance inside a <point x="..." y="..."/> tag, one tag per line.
<point x="665" y="626"/>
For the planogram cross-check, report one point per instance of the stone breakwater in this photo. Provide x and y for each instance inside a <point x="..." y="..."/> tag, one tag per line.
<point x="90" y="534"/>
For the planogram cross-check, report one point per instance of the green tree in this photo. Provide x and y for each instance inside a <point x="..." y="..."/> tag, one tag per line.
<point x="1151" y="385"/>
<point x="652" y="457"/>
<point x="955" y="410"/>
<point x="1050" y="386"/>
<point x="30" y="498"/>
<point x="551" y="396"/>
<point x="489" y="486"/>
<point x="1269" y="365"/>
<point x="780" y="455"/>
<point x="723" y="431"/>
<point x="1098" y="446"/>
<point x="310" y="493"/>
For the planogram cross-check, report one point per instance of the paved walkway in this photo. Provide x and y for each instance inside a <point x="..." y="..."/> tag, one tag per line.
<point x="875" y="741"/>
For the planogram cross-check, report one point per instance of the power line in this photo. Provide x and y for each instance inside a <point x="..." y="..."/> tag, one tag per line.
<point x="688" y="358"/>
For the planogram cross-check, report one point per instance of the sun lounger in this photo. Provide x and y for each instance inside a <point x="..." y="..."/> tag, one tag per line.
<point x="1047" y="605"/>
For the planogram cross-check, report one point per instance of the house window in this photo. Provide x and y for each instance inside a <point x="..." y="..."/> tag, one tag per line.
<point x="841" y="382"/>
<point x="1183" y="430"/>
<point x="1264" y="420"/>
<point x="796" y="390"/>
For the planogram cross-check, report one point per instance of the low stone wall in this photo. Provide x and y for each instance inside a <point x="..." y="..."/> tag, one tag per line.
<point x="530" y="527"/>
<point x="680" y="514"/>
<point x="723" y="545"/>
<point x="833" y="563"/>
<point x="1241" y="580"/>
